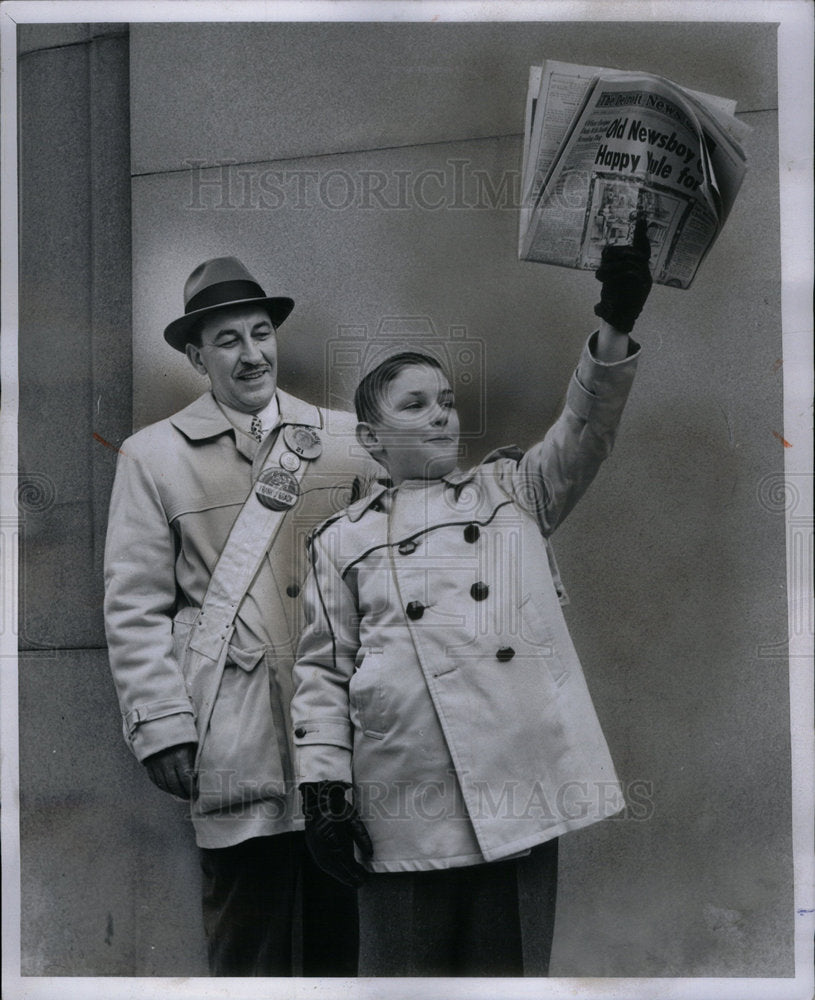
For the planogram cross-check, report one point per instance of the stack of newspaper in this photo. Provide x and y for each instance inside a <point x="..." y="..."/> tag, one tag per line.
<point x="602" y="146"/>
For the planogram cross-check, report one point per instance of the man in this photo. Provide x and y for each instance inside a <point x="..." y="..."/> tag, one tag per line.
<point x="202" y="659"/>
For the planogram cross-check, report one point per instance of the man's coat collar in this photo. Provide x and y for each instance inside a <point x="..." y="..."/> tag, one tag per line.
<point x="203" y="418"/>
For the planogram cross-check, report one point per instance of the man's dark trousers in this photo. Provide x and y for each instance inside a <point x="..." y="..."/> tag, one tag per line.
<point x="270" y="911"/>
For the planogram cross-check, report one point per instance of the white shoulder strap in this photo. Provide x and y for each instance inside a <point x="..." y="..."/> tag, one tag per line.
<point x="245" y="549"/>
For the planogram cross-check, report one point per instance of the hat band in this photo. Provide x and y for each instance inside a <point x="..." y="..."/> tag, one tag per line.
<point x="221" y="293"/>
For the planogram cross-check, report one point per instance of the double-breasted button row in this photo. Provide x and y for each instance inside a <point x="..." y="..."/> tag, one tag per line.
<point x="479" y="591"/>
<point x="471" y="534"/>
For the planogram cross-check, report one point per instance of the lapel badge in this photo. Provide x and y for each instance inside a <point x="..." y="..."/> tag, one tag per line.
<point x="303" y="441"/>
<point x="289" y="461"/>
<point x="277" y="489"/>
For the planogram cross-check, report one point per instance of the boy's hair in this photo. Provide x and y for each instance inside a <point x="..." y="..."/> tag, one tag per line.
<point x="372" y="387"/>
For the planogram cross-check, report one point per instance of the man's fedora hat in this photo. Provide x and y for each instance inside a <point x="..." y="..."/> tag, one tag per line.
<point x="222" y="281"/>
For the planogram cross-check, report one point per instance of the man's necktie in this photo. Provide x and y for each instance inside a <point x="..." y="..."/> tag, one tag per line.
<point x="256" y="429"/>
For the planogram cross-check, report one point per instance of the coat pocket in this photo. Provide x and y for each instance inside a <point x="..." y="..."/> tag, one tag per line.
<point x="537" y="630"/>
<point x="239" y="760"/>
<point x="367" y="697"/>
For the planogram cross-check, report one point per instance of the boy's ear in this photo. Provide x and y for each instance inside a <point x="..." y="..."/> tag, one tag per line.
<point x="194" y="355"/>
<point x="366" y="435"/>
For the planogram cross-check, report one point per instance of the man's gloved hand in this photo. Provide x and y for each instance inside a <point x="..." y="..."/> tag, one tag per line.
<point x="172" y="769"/>
<point x="626" y="279"/>
<point x="332" y="827"/>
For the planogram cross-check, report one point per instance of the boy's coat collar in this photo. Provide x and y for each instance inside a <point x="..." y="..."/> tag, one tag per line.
<point x="455" y="478"/>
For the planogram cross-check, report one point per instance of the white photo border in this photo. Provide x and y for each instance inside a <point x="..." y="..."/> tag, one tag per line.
<point x="795" y="85"/>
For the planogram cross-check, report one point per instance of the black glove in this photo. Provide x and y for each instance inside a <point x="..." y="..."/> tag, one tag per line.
<point x="626" y="279"/>
<point x="172" y="770"/>
<point x="332" y="827"/>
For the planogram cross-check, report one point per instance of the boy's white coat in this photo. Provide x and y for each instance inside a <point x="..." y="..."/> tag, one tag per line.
<point x="459" y="751"/>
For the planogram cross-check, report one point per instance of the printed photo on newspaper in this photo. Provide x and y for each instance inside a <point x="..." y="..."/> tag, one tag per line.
<point x="603" y="146"/>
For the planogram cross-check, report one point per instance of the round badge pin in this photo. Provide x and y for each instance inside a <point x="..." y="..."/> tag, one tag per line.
<point x="303" y="441"/>
<point x="277" y="489"/>
<point x="289" y="461"/>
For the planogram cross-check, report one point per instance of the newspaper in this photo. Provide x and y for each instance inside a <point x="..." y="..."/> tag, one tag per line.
<point x="602" y="145"/>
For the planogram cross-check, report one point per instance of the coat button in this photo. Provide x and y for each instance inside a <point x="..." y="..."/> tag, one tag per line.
<point x="472" y="533"/>
<point x="479" y="591"/>
<point x="299" y="732"/>
<point x="414" y="610"/>
<point x="505" y="654"/>
<point x="293" y="590"/>
<point x="405" y="548"/>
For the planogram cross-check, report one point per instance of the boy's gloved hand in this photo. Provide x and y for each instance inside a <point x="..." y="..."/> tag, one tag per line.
<point x="626" y="279"/>
<point x="332" y="827"/>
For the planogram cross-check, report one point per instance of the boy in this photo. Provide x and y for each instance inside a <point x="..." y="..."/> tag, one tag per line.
<point x="436" y="675"/>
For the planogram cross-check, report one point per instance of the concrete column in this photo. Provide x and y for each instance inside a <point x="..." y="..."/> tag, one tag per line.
<point x="75" y="319"/>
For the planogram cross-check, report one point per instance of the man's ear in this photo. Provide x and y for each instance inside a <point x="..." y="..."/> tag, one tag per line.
<point x="366" y="435"/>
<point x="194" y="354"/>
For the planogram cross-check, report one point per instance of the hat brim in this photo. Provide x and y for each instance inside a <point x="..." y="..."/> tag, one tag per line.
<point x="177" y="334"/>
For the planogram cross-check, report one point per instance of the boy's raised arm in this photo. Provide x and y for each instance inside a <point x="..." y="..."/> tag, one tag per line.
<point x="626" y="282"/>
<point x="555" y="473"/>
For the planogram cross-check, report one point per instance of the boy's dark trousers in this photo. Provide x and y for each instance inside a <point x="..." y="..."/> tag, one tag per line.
<point x="492" y="919"/>
<point x="270" y="911"/>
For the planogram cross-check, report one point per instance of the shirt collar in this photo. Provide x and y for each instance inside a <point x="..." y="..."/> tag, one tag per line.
<point x="269" y="416"/>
